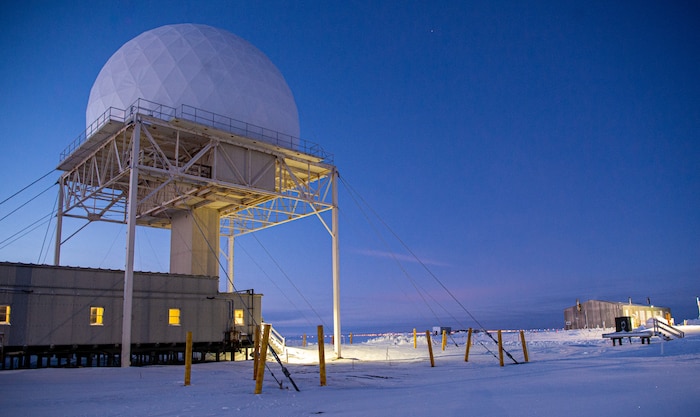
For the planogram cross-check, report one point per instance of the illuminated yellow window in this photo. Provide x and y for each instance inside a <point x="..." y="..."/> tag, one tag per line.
<point x="96" y="316"/>
<point x="4" y="314"/>
<point x="238" y="317"/>
<point x="174" y="316"/>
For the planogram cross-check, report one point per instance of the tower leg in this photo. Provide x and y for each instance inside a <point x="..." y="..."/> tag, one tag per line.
<point x="59" y="223"/>
<point x="336" y="269"/>
<point x="132" y="204"/>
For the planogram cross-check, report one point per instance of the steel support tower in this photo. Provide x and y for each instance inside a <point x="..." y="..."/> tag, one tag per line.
<point x="202" y="175"/>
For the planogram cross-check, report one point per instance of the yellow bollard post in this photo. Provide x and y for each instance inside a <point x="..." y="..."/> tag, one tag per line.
<point x="321" y="356"/>
<point x="351" y="338"/>
<point x="256" y="350"/>
<point x="469" y="344"/>
<point x="444" y="339"/>
<point x="415" y="340"/>
<point x="263" y="358"/>
<point x="430" y="348"/>
<point x="303" y="340"/>
<point x="500" y="348"/>
<point x="522" y="339"/>
<point x="188" y="358"/>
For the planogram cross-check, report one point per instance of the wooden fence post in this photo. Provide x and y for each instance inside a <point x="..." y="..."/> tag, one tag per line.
<point x="262" y="360"/>
<point x="469" y="344"/>
<point x="522" y="339"/>
<point x="500" y="348"/>
<point x="256" y="349"/>
<point x="188" y="358"/>
<point x="430" y="348"/>
<point x="321" y="356"/>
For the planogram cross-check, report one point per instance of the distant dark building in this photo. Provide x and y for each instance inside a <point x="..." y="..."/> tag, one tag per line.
<point x="437" y="330"/>
<point x="595" y="313"/>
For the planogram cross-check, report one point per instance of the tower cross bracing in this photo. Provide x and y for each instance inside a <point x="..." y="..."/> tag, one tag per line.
<point x="164" y="164"/>
<point x="184" y="165"/>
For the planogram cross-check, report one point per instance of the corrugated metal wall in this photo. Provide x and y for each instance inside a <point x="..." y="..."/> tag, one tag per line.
<point x="51" y="306"/>
<point x="595" y="313"/>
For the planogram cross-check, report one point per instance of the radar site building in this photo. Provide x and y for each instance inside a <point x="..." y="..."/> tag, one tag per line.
<point x="193" y="129"/>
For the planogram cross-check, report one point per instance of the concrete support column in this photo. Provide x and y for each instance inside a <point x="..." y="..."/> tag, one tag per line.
<point x="194" y="242"/>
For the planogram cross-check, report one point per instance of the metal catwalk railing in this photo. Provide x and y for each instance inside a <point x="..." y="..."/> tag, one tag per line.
<point x="200" y="116"/>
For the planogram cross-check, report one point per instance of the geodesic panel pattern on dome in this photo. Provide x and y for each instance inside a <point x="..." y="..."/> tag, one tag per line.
<point x="200" y="66"/>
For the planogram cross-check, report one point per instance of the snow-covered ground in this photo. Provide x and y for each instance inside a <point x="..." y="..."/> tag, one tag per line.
<point x="570" y="373"/>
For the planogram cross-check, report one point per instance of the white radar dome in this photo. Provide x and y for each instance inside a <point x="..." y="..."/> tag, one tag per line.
<point x="199" y="66"/>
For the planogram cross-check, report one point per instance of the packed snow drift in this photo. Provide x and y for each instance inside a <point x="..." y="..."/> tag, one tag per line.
<point x="569" y="373"/>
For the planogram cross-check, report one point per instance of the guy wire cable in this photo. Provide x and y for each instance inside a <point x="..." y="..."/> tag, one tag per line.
<point x="415" y="285"/>
<point x="289" y="279"/>
<point x="33" y="226"/>
<point x="34" y="182"/>
<point x="211" y="249"/>
<point x="275" y="284"/>
<point x="256" y="324"/>
<point x="27" y="202"/>
<point x="48" y="226"/>
<point x="430" y="272"/>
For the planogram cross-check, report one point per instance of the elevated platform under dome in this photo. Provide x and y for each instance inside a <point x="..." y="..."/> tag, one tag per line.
<point x="191" y="158"/>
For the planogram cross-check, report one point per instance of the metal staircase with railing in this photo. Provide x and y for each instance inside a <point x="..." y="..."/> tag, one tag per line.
<point x="667" y="332"/>
<point x="277" y="341"/>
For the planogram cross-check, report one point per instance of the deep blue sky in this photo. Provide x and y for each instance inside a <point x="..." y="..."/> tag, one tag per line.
<point x="530" y="153"/>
